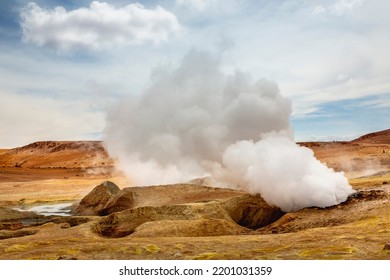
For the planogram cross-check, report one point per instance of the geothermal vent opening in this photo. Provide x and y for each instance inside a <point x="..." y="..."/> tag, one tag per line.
<point x="196" y="121"/>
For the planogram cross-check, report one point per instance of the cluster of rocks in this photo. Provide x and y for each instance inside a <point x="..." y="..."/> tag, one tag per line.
<point x="175" y="210"/>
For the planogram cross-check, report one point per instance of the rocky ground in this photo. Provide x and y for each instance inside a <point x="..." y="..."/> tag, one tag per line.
<point x="112" y="219"/>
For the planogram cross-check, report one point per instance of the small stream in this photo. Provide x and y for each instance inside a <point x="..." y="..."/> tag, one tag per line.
<point x="48" y="209"/>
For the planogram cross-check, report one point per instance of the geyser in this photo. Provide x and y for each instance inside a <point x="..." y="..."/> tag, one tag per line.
<point x="196" y="121"/>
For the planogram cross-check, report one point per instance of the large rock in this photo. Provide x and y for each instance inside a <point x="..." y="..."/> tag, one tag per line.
<point x="133" y="197"/>
<point x="94" y="202"/>
<point x="125" y="199"/>
<point x="189" y="228"/>
<point x="251" y="211"/>
<point x="123" y="223"/>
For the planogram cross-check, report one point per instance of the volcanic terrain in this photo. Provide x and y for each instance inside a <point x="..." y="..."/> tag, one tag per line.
<point x="113" y="219"/>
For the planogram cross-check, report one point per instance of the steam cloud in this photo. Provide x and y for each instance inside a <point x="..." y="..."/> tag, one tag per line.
<point x="196" y="121"/>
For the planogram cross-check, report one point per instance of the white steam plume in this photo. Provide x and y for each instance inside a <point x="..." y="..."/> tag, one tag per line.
<point x="196" y="121"/>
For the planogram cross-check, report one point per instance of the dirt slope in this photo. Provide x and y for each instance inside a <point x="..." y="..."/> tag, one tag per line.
<point x="366" y="155"/>
<point x="380" y="137"/>
<point x="57" y="154"/>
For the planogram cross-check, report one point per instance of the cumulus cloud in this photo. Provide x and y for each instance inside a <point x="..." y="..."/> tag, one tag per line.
<point x="99" y="26"/>
<point x="197" y="121"/>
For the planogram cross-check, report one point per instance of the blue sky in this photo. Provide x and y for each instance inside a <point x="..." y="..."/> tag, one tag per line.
<point x="63" y="63"/>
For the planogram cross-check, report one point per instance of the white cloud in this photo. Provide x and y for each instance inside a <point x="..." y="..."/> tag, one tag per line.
<point x="343" y="6"/>
<point x="98" y="27"/>
<point x="342" y="78"/>
<point x="197" y="4"/>
<point x="338" y="8"/>
<point x="318" y="10"/>
<point x="315" y="59"/>
<point x="377" y="102"/>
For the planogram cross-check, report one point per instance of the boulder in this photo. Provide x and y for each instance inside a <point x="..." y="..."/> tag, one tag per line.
<point x="251" y="211"/>
<point x="125" y="199"/>
<point x="95" y="201"/>
<point x="123" y="223"/>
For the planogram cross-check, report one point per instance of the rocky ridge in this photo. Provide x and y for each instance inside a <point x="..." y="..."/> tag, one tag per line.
<point x="144" y="210"/>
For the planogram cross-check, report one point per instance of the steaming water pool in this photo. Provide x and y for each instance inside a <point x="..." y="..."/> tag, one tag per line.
<point x="49" y="209"/>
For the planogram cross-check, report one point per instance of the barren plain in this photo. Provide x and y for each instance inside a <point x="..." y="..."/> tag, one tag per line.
<point x="185" y="221"/>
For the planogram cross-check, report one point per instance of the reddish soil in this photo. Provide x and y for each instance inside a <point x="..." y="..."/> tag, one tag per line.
<point x="66" y="171"/>
<point x="367" y="155"/>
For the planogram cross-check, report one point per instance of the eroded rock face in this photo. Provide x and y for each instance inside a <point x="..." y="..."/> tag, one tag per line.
<point x="11" y="219"/>
<point x="5" y="234"/>
<point x="177" y="210"/>
<point x="251" y="211"/>
<point x="364" y="204"/>
<point x="123" y="223"/>
<point x="189" y="228"/>
<point x="8" y="214"/>
<point x="133" y="197"/>
<point x="125" y="199"/>
<point x="94" y="202"/>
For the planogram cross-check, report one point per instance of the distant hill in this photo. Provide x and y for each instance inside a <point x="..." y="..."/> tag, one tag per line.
<point x="368" y="154"/>
<point x="370" y="148"/>
<point x="380" y="137"/>
<point x="57" y="154"/>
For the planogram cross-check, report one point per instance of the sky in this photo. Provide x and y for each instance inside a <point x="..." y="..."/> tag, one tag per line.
<point x="64" y="64"/>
